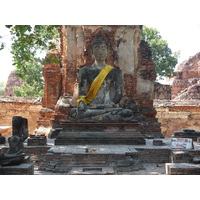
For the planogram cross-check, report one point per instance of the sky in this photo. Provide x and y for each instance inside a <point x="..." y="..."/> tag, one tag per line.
<point x="177" y="21"/>
<point x="180" y="37"/>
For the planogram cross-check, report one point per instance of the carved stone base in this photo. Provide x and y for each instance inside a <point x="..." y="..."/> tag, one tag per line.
<point x="66" y="138"/>
<point x="100" y="133"/>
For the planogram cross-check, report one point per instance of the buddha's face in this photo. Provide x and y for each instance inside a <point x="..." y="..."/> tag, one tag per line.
<point x="100" y="51"/>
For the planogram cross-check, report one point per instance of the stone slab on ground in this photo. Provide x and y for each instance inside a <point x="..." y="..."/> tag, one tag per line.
<point x="92" y="171"/>
<point x="182" y="169"/>
<point x="22" y="169"/>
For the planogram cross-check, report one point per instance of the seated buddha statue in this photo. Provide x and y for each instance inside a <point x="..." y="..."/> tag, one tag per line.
<point x="100" y="89"/>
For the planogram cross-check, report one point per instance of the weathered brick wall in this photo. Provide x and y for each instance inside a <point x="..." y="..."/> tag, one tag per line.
<point x="26" y="107"/>
<point x="187" y="74"/>
<point x="177" y="115"/>
<point x="162" y="91"/>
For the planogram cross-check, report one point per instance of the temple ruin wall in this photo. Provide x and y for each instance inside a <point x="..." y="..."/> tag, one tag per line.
<point x="26" y="107"/>
<point x="177" y="115"/>
<point x="173" y="115"/>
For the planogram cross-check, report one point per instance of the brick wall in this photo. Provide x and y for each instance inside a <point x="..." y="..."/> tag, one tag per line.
<point x="26" y="107"/>
<point x="177" y="115"/>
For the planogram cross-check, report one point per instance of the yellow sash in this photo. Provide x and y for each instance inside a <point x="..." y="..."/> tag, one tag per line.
<point x="95" y="86"/>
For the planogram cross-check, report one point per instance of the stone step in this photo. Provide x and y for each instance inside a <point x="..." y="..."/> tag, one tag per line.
<point x="96" y="170"/>
<point x="64" y="158"/>
<point x="181" y="157"/>
<point x="107" y="137"/>
<point x="182" y="169"/>
<point x="22" y="169"/>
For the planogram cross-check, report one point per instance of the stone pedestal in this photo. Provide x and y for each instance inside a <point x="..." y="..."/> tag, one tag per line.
<point x="22" y="169"/>
<point x="99" y="133"/>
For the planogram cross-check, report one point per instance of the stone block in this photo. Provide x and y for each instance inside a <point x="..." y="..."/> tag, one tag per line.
<point x="181" y="157"/>
<point x="2" y="139"/>
<point x="66" y="138"/>
<point x="182" y="169"/>
<point x="158" y="142"/>
<point x="92" y="171"/>
<point x="22" y="169"/>
<point x="196" y="159"/>
<point x="37" y="140"/>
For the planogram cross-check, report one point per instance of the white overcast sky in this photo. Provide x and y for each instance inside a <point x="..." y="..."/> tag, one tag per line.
<point x="177" y="21"/>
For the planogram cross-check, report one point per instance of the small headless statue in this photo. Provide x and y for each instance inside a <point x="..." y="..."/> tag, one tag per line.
<point x="100" y="89"/>
<point x="19" y="134"/>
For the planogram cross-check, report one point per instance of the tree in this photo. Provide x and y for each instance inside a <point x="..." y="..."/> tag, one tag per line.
<point x="33" y="80"/>
<point x="2" y="45"/>
<point x="28" y="42"/>
<point x="163" y="57"/>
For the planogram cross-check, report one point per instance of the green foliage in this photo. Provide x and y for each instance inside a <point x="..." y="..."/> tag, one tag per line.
<point x="165" y="60"/>
<point x="2" y="45"/>
<point x="33" y="81"/>
<point x="2" y="88"/>
<point x="28" y="42"/>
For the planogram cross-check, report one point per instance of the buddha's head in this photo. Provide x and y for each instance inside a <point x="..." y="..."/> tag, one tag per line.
<point x="99" y="48"/>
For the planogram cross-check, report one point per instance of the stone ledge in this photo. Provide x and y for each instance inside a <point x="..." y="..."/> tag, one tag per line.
<point x="21" y="99"/>
<point x="182" y="169"/>
<point x="22" y="169"/>
<point x="92" y="171"/>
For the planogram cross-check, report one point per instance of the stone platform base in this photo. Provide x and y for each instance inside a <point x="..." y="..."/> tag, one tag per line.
<point x="65" y="158"/>
<point x="182" y="169"/>
<point x="99" y="133"/>
<point x="22" y="169"/>
<point x="69" y="138"/>
<point x="92" y="171"/>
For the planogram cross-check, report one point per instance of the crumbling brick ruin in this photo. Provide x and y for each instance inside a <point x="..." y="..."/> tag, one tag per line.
<point x="186" y="83"/>
<point x="162" y="91"/>
<point x="183" y="110"/>
<point x="13" y="81"/>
